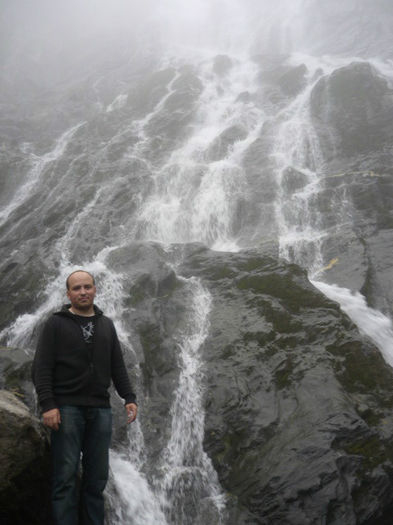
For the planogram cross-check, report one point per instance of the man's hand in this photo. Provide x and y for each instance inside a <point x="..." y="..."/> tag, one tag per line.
<point x="52" y="418"/>
<point x="132" y="410"/>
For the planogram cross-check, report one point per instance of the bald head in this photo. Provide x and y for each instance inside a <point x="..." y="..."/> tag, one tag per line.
<point x="82" y="272"/>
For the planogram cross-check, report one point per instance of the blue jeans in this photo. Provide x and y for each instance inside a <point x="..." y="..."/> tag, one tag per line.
<point x="85" y="430"/>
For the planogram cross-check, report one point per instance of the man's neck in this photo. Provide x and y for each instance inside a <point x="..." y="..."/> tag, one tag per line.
<point x="83" y="313"/>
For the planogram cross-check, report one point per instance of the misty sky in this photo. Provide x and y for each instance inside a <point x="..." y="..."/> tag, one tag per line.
<point x="55" y="34"/>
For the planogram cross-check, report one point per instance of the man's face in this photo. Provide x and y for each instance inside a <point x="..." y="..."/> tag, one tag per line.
<point x="81" y="291"/>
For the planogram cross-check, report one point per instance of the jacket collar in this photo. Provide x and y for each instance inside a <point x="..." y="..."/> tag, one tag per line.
<point x="66" y="313"/>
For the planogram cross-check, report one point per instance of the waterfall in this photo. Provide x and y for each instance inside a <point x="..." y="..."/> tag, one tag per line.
<point x="196" y="196"/>
<point x="35" y="173"/>
<point x="371" y="322"/>
<point x="189" y="485"/>
<point x="199" y="128"/>
<point x="184" y="488"/>
<point x="301" y="228"/>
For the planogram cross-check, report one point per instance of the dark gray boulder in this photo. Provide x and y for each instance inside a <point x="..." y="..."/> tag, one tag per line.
<point x="15" y="374"/>
<point x="222" y="145"/>
<point x="25" y="465"/>
<point x="361" y="253"/>
<point x="352" y="111"/>
<point x="293" y="81"/>
<point x="299" y="406"/>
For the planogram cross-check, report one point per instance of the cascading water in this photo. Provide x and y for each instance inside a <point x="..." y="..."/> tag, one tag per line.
<point x="189" y="487"/>
<point x="184" y="488"/>
<point x="195" y="195"/>
<point x="302" y="227"/>
<point x="206" y="133"/>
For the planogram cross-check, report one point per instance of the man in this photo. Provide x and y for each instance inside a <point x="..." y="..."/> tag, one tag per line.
<point x="78" y="353"/>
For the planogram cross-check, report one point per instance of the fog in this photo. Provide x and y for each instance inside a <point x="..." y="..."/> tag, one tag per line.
<point x="45" y="27"/>
<point x="57" y="36"/>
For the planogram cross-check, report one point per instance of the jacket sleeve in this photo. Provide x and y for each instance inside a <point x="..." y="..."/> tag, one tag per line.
<point x="43" y="366"/>
<point x="119" y="372"/>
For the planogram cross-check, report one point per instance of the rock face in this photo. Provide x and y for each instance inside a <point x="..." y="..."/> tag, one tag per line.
<point x="15" y="374"/>
<point x="352" y="111"/>
<point x="24" y="459"/>
<point x="299" y="422"/>
<point x="289" y="149"/>
<point x="299" y="407"/>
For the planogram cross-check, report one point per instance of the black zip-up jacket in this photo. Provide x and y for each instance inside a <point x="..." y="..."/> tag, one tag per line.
<point x="65" y="372"/>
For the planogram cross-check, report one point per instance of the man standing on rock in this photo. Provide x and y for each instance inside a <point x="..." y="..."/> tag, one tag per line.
<point x="78" y="353"/>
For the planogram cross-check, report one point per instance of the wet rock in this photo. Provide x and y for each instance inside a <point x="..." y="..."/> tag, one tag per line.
<point x="299" y="406"/>
<point x="221" y="65"/>
<point x="156" y="306"/>
<point x="357" y="254"/>
<point x="149" y="90"/>
<point x="24" y="458"/>
<point x="25" y="277"/>
<point x="293" y="180"/>
<point x="15" y="374"/>
<point x="172" y="120"/>
<point x="222" y="145"/>
<point x="293" y="81"/>
<point x="280" y="81"/>
<point x="352" y="111"/>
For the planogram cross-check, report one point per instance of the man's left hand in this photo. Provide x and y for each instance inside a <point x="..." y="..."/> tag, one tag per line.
<point x="132" y="410"/>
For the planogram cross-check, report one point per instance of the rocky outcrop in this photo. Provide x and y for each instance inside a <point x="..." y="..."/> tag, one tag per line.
<point x="360" y="256"/>
<point x="299" y="422"/>
<point x="299" y="406"/>
<point x="222" y="145"/>
<point x="352" y="110"/>
<point x="15" y="374"/>
<point x="24" y="459"/>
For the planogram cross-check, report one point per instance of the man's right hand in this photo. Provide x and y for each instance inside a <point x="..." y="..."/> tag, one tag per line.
<point x="52" y="418"/>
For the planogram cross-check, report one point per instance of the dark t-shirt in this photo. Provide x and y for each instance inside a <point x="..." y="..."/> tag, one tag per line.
<point x="87" y="325"/>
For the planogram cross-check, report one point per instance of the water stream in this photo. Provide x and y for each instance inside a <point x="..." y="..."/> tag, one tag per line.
<point x="302" y="231"/>
<point x="202" y="147"/>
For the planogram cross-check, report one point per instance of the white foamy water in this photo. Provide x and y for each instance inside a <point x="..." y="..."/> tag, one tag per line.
<point x="301" y="231"/>
<point x="370" y="322"/>
<point x="297" y="153"/>
<point x="187" y="471"/>
<point x="185" y="481"/>
<point x="39" y="164"/>
<point x="133" y="500"/>
<point x="118" y="103"/>
<point x="196" y="196"/>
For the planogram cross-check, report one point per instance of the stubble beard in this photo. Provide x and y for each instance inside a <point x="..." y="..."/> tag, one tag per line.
<point x="83" y="305"/>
